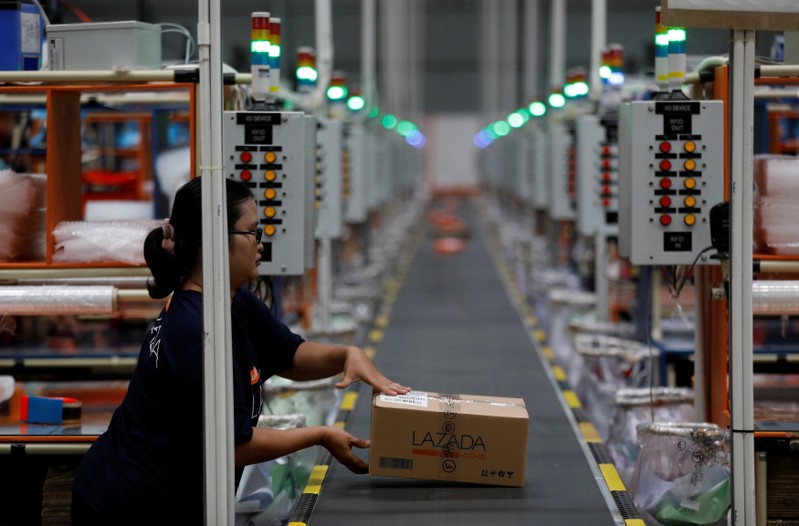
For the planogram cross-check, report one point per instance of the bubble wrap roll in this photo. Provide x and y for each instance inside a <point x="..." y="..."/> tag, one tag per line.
<point x="41" y="301"/>
<point x="775" y="297"/>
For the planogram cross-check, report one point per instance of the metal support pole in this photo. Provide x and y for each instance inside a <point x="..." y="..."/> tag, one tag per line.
<point x="217" y="362"/>
<point x="599" y="14"/>
<point x="557" y="44"/>
<point x="741" y="86"/>
<point x="531" y="46"/>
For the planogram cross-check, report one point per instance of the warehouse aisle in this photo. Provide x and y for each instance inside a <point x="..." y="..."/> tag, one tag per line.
<point x="454" y="329"/>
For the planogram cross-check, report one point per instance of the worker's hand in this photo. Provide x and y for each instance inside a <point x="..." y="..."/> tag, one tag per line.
<point x="358" y="366"/>
<point x="340" y="443"/>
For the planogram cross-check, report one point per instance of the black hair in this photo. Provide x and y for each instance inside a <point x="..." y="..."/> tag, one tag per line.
<point x="169" y="269"/>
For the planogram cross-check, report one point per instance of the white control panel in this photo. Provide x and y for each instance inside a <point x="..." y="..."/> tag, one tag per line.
<point x="561" y="181"/>
<point x="597" y="179"/>
<point x="539" y="163"/>
<point x="524" y="183"/>
<point x="355" y="188"/>
<point x="329" y="181"/>
<point x="273" y="154"/>
<point x="671" y="175"/>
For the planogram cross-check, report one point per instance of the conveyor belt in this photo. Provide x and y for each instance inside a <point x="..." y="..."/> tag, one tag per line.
<point x="454" y="329"/>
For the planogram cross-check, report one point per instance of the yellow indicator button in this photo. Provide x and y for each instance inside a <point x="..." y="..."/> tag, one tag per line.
<point x="690" y="146"/>
<point x="270" y="193"/>
<point x="690" y="183"/>
<point x="270" y="157"/>
<point x="270" y="175"/>
<point x="690" y="165"/>
<point x="690" y="201"/>
<point x="269" y="230"/>
<point x="690" y="219"/>
<point x="269" y="211"/>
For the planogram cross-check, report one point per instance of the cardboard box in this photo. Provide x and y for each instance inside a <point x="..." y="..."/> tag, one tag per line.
<point x="450" y="437"/>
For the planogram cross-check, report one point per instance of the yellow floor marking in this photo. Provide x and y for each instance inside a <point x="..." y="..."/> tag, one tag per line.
<point x="589" y="432"/>
<point x="612" y="477"/>
<point x="560" y="374"/>
<point x="348" y="401"/>
<point x="540" y="335"/>
<point x="314" y="484"/>
<point x="375" y="336"/>
<point x="572" y="400"/>
<point x="548" y="354"/>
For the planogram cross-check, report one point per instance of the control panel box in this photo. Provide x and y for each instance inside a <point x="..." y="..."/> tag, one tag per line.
<point x="597" y="179"/>
<point x="561" y="207"/>
<point x="355" y="187"/>
<point x="330" y="144"/>
<point x="273" y="154"/>
<point x="539" y="163"/>
<point x="104" y="46"/>
<point x="671" y="175"/>
<point x="523" y="184"/>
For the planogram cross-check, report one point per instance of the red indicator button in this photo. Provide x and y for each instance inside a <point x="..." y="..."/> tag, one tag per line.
<point x="665" y="201"/>
<point x="605" y="191"/>
<point x="246" y="175"/>
<point x="665" y="182"/>
<point x="246" y="157"/>
<point x="606" y="164"/>
<point x="606" y="203"/>
<point x="606" y="177"/>
<point x="665" y="219"/>
<point x="665" y="147"/>
<point x="665" y="165"/>
<point x="606" y="150"/>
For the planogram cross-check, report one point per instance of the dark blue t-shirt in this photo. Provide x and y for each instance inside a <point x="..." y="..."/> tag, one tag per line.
<point x="151" y="457"/>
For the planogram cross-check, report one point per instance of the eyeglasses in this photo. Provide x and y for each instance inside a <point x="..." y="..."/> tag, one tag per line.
<point x="258" y="232"/>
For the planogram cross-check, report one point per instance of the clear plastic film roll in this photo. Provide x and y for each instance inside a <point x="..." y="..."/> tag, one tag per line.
<point x="656" y="396"/>
<point x="601" y="345"/>
<point x="775" y="298"/>
<point x="42" y="301"/>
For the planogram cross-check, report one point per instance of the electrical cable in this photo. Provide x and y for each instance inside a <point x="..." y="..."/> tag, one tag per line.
<point x="77" y="11"/>
<point x="42" y="12"/>
<point x="679" y="282"/>
<point x="191" y="45"/>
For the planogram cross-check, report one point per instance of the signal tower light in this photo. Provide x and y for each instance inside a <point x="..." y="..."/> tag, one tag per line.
<point x="274" y="54"/>
<point x="615" y="63"/>
<point x="306" y="70"/>
<point x="259" y="49"/>
<point x="337" y="91"/>
<point x="355" y="102"/>
<point x="676" y="59"/>
<point x="661" y="53"/>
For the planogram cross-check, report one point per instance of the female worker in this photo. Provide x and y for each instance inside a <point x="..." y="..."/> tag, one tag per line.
<point x="148" y="465"/>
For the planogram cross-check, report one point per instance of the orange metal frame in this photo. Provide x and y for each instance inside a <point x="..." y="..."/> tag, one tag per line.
<point x="715" y="342"/>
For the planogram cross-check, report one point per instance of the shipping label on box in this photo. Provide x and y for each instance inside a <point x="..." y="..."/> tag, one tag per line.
<point x="450" y="437"/>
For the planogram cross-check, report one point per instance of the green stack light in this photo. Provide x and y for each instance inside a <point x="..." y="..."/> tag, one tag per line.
<point x="515" y="120"/>
<point x="355" y="102"/>
<point x="389" y="122"/>
<point x="306" y="70"/>
<point x="661" y="53"/>
<point x="538" y="109"/>
<point x="501" y="128"/>
<point x="556" y="100"/>
<point x="405" y="127"/>
<point x="259" y="51"/>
